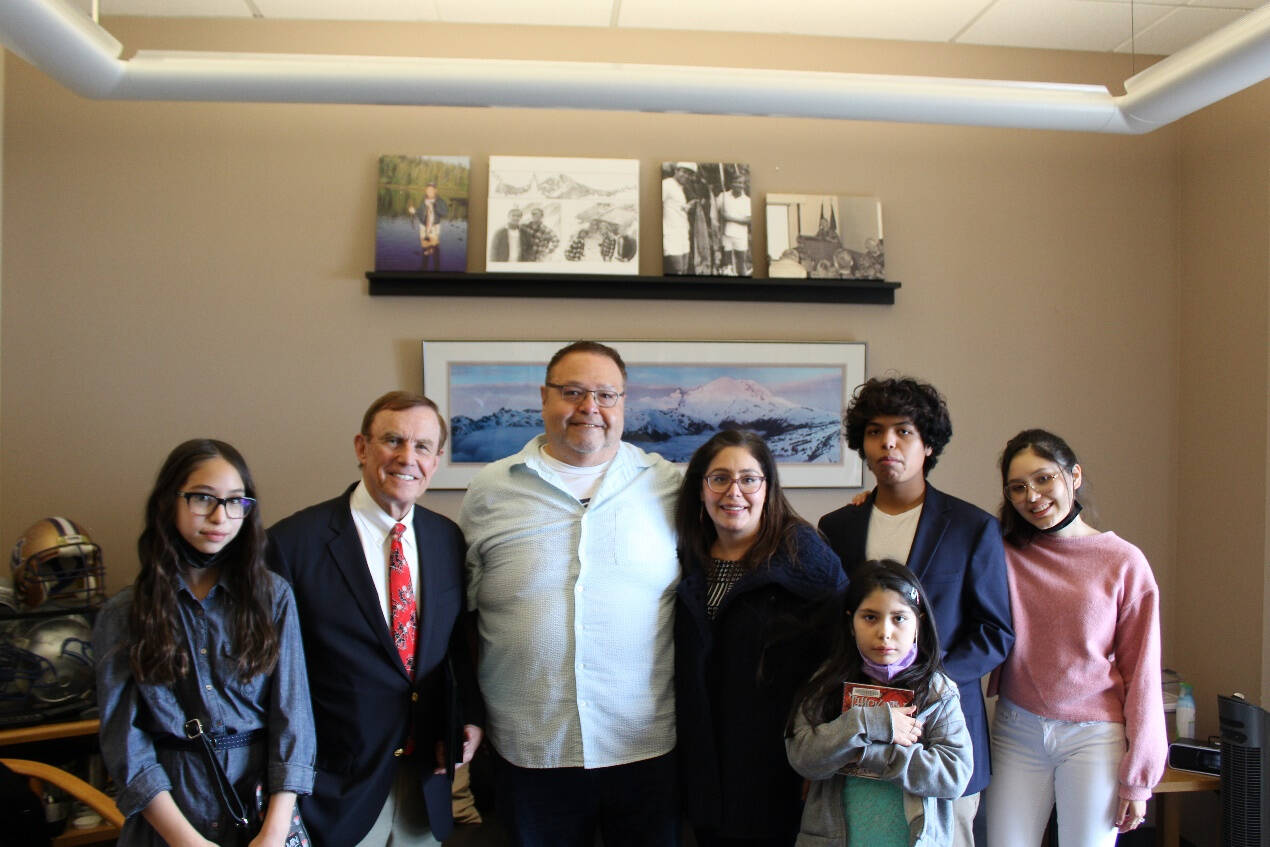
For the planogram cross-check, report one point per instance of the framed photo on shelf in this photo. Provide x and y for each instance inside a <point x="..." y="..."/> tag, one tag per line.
<point x="557" y="215"/>
<point x="824" y="237"/>
<point x="421" y="213"/>
<point x="706" y="222"/>
<point x="678" y="394"/>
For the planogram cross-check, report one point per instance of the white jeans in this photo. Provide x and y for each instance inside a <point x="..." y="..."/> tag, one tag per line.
<point x="1036" y="761"/>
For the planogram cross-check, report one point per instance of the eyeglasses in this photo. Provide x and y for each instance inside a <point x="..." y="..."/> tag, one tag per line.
<point x="236" y="508"/>
<point x="605" y="398"/>
<point x="721" y="483"/>
<point x="1042" y="483"/>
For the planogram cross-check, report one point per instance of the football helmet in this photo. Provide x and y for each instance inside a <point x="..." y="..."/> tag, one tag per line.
<point x="56" y="565"/>
<point x="45" y="664"/>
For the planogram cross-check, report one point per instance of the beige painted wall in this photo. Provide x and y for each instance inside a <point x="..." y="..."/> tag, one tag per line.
<point x="178" y="269"/>
<point x="1223" y="557"/>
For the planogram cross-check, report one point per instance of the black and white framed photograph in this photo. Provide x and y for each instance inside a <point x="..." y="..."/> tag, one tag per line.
<point x="561" y="215"/>
<point x="678" y="394"/>
<point x="706" y="219"/>
<point x="825" y="237"/>
<point x="421" y="213"/>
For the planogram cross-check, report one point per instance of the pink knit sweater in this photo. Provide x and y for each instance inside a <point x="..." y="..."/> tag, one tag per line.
<point x="1087" y="644"/>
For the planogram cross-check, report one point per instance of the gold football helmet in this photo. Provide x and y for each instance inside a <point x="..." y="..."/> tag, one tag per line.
<point x="56" y="565"/>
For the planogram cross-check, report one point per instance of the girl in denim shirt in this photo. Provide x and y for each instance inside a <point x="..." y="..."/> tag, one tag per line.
<point x="206" y="640"/>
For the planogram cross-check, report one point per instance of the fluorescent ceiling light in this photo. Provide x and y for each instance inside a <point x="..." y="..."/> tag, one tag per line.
<point x="62" y="42"/>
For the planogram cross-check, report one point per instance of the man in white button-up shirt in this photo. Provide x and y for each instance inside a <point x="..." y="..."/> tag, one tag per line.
<point x="572" y="571"/>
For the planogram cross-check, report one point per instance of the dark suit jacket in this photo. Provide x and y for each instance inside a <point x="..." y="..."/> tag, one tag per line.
<point x="500" y="247"/>
<point x="957" y="554"/>
<point x="363" y="702"/>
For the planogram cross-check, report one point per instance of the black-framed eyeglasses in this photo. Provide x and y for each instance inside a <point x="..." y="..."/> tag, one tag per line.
<point x="721" y="483"/>
<point x="202" y="504"/>
<point x="1042" y="483"/>
<point x="605" y="398"/>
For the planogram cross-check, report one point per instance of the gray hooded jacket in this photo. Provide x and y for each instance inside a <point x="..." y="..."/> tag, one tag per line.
<point x="931" y="773"/>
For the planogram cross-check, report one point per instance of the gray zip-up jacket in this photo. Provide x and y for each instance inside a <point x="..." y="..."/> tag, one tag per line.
<point x="931" y="772"/>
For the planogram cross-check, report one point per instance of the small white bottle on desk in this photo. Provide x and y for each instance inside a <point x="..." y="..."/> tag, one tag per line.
<point x="1185" y="712"/>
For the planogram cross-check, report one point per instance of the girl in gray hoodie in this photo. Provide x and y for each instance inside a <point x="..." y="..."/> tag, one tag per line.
<point x="882" y="775"/>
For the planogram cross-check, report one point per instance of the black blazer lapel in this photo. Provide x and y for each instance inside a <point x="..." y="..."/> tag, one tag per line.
<point x="426" y="543"/>
<point x="345" y="548"/>
<point x="931" y="527"/>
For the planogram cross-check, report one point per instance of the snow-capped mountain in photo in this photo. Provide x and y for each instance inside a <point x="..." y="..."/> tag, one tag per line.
<point x="674" y="421"/>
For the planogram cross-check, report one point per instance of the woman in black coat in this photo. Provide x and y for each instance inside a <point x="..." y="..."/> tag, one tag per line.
<point x="754" y="575"/>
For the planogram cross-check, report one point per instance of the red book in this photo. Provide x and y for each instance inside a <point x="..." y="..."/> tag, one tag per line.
<point x="868" y="694"/>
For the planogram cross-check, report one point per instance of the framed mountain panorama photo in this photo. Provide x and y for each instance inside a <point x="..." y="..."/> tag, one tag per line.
<point x="421" y="213"/>
<point x="555" y="215"/>
<point x="678" y="394"/>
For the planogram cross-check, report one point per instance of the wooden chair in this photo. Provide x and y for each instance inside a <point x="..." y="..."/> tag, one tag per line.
<point x="112" y="819"/>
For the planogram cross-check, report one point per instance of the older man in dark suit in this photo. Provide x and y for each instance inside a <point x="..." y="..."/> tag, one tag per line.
<point x="378" y="582"/>
<point x="899" y="427"/>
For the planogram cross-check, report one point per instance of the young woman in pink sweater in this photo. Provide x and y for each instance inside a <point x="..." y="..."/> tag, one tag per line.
<point x="1080" y="719"/>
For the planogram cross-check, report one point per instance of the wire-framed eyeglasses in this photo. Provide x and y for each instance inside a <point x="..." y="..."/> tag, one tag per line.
<point x="1043" y="483"/>
<point x="203" y="504"/>
<point x="721" y="483"/>
<point x="605" y="398"/>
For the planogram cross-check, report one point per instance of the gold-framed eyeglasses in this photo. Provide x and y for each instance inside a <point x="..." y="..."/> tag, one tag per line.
<point x="1042" y="482"/>
<point x="721" y="483"/>
<point x="605" y="398"/>
<point x="202" y="504"/>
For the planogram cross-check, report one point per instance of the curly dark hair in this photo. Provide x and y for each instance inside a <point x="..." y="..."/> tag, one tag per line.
<point x="157" y="653"/>
<point x="778" y="523"/>
<point x="821" y="698"/>
<point x="1015" y="528"/>
<point x="906" y="397"/>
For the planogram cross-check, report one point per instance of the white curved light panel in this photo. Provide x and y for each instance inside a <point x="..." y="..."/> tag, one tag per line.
<point x="62" y="42"/>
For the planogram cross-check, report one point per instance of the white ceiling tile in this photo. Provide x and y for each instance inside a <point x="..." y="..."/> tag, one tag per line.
<point x="1227" y="4"/>
<point x="546" y="12"/>
<point x="348" y="10"/>
<point x="911" y="20"/>
<point x="171" y="8"/>
<point x="1183" y="27"/>
<point x="1139" y="4"/>
<point x="1060" y="24"/>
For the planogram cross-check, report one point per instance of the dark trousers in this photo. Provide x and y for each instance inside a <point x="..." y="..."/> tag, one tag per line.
<point x="707" y="839"/>
<point x="635" y="805"/>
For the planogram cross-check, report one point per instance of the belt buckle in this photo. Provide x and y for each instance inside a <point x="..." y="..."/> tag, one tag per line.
<point x="193" y="728"/>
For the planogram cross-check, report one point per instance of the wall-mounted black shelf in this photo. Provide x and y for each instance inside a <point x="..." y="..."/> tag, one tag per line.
<point x="409" y="283"/>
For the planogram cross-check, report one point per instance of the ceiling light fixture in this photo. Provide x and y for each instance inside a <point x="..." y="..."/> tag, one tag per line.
<point x="59" y="40"/>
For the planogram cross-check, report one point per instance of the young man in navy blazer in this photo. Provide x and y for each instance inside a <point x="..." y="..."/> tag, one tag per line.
<point x="899" y="427"/>
<point x="387" y="734"/>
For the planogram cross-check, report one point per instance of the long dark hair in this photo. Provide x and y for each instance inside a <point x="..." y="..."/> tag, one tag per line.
<point x="1015" y="528"/>
<point x="821" y="698"/>
<point x="158" y="654"/>
<point x="778" y="523"/>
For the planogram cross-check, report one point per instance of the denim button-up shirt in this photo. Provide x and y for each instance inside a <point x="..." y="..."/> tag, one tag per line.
<point x="137" y="717"/>
<point x="575" y="609"/>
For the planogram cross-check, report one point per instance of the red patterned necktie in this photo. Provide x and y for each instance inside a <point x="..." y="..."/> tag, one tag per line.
<point x="401" y="597"/>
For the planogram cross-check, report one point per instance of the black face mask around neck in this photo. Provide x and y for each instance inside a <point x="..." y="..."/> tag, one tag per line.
<point x="1067" y="521"/>
<point x="196" y="558"/>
